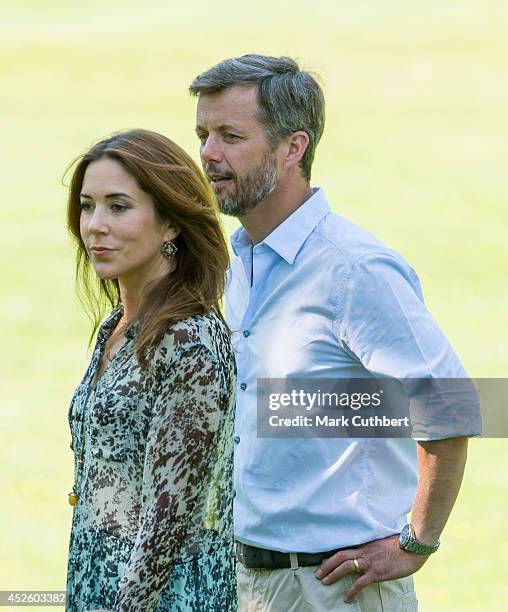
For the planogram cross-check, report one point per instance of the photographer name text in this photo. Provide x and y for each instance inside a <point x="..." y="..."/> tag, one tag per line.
<point x="341" y="421"/>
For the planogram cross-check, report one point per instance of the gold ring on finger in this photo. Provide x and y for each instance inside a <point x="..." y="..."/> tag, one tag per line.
<point x="356" y="565"/>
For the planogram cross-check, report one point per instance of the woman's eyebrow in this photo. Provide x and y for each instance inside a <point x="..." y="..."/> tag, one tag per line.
<point x="109" y="195"/>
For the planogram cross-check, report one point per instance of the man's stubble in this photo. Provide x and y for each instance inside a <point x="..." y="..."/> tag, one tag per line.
<point x="252" y="188"/>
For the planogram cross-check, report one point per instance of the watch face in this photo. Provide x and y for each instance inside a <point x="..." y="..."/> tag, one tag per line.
<point x="404" y="535"/>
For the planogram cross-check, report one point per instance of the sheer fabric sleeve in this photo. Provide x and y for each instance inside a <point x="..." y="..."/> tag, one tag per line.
<point x="185" y="421"/>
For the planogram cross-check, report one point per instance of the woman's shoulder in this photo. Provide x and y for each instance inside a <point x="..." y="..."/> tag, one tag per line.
<point x="207" y="330"/>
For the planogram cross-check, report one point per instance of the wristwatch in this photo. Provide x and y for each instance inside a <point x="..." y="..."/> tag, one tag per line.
<point x="408" y="541"/>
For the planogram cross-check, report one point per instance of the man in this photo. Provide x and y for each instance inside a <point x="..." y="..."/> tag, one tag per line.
<point x="312" y="296"/>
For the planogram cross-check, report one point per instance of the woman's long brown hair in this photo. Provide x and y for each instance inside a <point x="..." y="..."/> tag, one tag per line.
<point x="181" y="195"/>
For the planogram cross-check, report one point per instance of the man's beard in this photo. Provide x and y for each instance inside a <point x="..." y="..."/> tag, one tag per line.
<point x="251" y="189"/>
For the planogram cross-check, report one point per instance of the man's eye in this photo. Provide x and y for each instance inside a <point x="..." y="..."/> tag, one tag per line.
<point x="86" y="206"/>
<point x="202" y="138"/>
<point x="231" y="136"/>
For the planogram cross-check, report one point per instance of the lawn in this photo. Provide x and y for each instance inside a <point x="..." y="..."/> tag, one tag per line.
<point x="415" y="150"/>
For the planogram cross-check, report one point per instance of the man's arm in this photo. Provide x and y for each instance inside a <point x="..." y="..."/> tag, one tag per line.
<point x="383" y="321"/>
<point x="441" y="467"/>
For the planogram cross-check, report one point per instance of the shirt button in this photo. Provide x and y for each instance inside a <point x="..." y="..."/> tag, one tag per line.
<point x="243" y="386"/>
<point x="237" y="439"/>
<point x="246" y="333"/>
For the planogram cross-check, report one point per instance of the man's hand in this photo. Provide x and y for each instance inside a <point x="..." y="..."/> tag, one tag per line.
<point x="441" y="466"/>
<point x="378" y="560"/>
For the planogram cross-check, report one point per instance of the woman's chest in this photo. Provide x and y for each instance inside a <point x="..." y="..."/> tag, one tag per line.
<point x="113" y="416"/>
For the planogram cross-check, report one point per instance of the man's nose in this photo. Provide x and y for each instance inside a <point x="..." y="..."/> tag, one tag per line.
<point x="210" y="150"/>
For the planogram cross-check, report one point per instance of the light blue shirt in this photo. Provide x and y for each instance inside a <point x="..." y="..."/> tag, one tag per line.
<point x="323" y="298"/>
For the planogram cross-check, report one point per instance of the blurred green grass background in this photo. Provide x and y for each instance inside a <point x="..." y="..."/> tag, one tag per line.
<point x="415" y="149"/>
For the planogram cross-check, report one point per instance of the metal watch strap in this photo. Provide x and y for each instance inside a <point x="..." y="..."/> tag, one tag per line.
<point x="409" y="542"/>
<point x="420" y="549"/>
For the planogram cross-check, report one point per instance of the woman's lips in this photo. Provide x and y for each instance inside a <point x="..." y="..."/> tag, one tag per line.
<point x="101" y="252"/>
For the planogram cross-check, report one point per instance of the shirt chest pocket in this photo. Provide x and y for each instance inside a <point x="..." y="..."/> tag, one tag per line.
<point x="111" y="427"/>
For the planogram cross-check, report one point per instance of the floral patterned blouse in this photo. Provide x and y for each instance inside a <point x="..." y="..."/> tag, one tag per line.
<point x="152" y="527"/>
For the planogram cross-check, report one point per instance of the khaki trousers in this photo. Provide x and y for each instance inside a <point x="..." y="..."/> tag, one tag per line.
<point x="287" y="590"/>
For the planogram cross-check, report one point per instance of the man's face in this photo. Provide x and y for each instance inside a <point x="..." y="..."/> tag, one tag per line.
<point x="235" y="153"/>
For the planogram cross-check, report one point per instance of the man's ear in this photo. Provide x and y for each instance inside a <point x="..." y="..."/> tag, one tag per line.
<point x="297" y="144"/>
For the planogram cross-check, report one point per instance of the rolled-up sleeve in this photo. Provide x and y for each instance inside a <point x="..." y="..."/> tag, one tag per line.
<point x="382" y="319"/>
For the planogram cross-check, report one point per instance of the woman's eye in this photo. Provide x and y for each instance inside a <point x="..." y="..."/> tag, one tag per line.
<point x="118" y="207"/>
<point x="86" y="206"/>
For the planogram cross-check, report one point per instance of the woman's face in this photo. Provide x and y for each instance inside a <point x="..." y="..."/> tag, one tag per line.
<point x="119" y="226"/>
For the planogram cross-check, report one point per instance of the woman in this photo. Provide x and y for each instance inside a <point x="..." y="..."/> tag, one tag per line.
<point x="152" y="420"/>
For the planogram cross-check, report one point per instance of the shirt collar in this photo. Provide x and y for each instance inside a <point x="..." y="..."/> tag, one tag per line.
<point x="288" y="237"/>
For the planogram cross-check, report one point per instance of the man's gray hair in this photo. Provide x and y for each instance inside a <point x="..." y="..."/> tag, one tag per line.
<point x="289" y="99"/>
